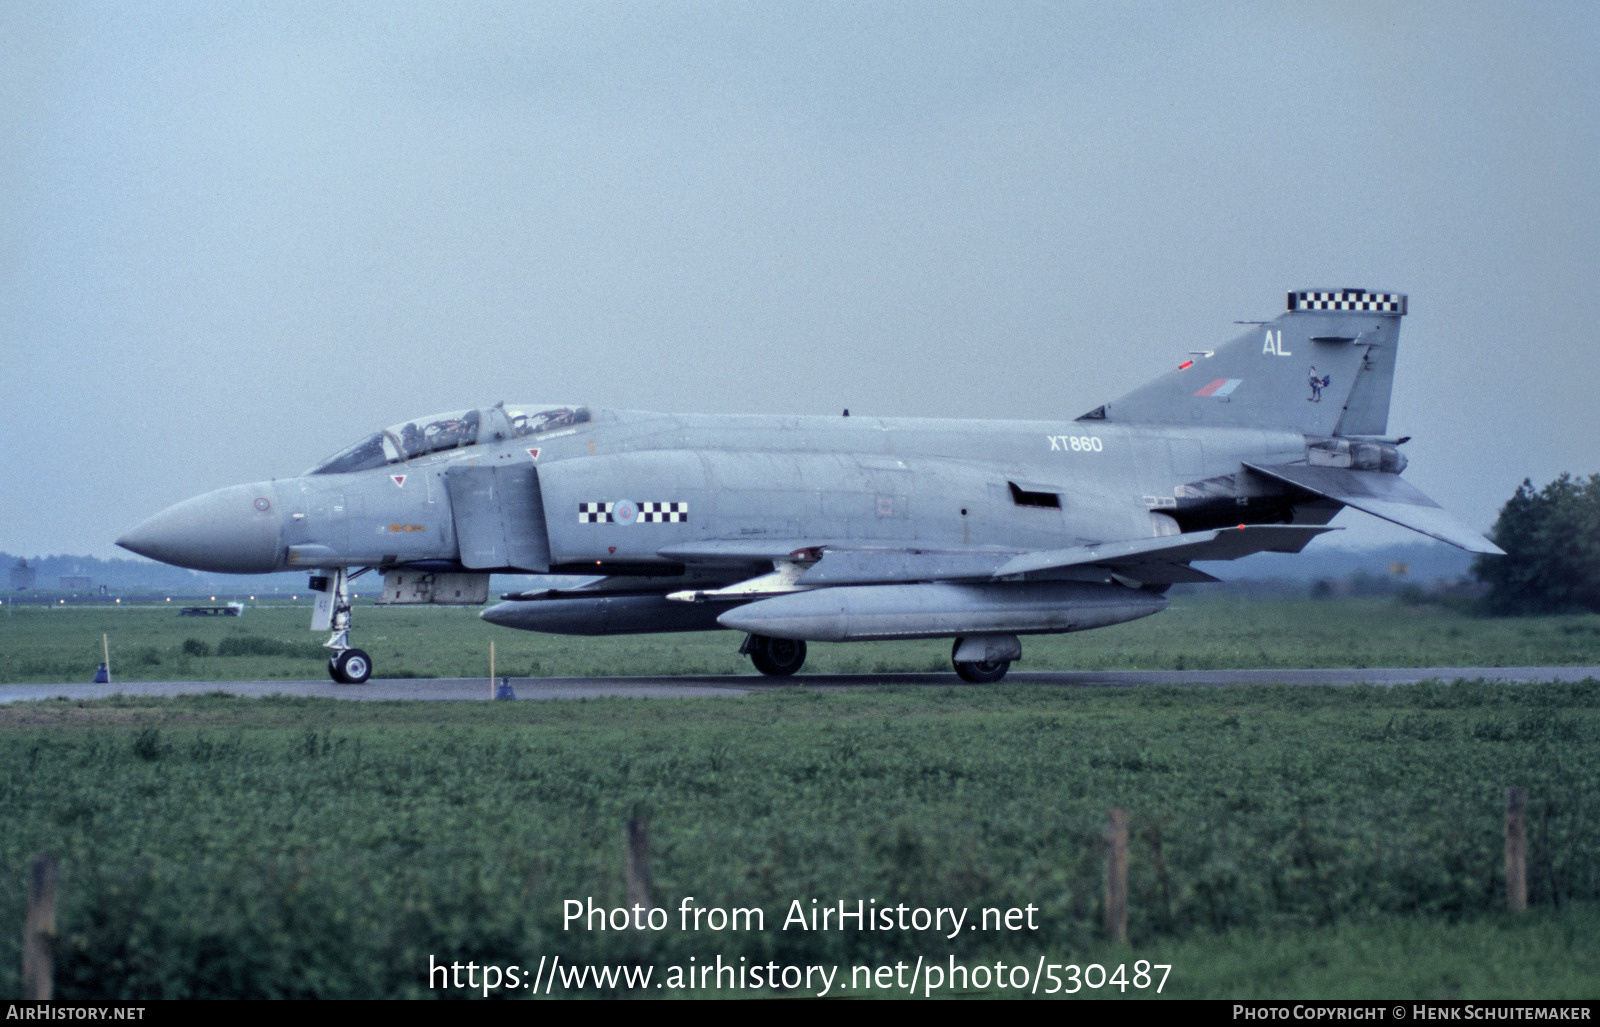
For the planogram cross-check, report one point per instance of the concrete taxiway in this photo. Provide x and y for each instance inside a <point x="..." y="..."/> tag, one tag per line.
<point x="446" y="689"/>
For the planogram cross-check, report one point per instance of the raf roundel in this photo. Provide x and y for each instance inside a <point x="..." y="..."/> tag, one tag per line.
<point x="624" y="512"/>
<point x="263" y="504"/>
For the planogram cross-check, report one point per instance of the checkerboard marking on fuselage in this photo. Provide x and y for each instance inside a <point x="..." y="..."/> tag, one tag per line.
<point x="664" y="513"/>
<point x="649" y="513"/>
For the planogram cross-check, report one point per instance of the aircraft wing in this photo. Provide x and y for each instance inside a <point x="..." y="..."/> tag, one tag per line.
<point x="1381" y="495"/>
<point x="736" y="550"/>
<point x="846" y="563"/>
<point x="1144" y="558"/>
<point x="869" y="566"/>
<point x="1158" y="560"/>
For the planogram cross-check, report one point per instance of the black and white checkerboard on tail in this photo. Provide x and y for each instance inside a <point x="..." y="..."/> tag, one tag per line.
<point x="1349" y="299"/>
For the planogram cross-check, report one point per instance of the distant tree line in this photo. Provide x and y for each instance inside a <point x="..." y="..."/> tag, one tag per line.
<point x="1552" y="541"/>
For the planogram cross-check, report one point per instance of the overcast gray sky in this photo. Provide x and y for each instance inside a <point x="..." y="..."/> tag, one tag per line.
<point x="236" y="237"/>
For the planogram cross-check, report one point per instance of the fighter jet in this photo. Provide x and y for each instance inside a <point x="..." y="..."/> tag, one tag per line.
<point x="798" y="529"/>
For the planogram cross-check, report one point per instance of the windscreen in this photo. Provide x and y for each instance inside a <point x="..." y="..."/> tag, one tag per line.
<point x="405" y="441"/>
<point x="368" y="453"/>
<point x="439" y="432"/>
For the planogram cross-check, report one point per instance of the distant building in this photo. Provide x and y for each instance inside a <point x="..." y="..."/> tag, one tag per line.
<point x="74" y="581"/>
<point x="22" y="576"/>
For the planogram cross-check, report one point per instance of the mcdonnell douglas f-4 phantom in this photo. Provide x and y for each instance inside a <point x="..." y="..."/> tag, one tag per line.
<point x="802" y="529"/>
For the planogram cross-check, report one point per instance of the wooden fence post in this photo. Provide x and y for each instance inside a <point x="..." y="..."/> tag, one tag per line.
<point x="1516" y="850"/>
<point x="1117" y="875"/>
<point x="39" y="930"/>
<point x="636" y="838"/>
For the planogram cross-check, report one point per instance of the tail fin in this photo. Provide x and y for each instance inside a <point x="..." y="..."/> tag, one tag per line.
<point x="1325" y="367"/>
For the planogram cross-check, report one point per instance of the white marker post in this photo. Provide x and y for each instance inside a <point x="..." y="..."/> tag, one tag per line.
<point x="105" y="644"/>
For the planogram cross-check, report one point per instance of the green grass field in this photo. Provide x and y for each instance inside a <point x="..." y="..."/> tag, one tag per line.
<point x="1284" y="841"/>
<point x="63" y="644"/>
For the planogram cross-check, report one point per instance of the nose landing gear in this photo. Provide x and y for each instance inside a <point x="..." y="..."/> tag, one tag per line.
<point x="347" y="666"/>
<point x="351" y="667"/>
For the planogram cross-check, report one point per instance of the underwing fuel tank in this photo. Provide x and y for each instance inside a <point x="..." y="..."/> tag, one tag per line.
<point x="941" y="610"/>
<point x="602" y="615"/>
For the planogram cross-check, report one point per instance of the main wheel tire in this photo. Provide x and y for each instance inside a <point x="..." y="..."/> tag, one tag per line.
<point x="982" y="673"/>
<point x="352" y="667"/>
<point x="777" y="657"/>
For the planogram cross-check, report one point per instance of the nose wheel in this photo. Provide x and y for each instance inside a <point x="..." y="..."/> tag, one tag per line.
<point x="351" y="667"/>
<point x="775" y="657"/>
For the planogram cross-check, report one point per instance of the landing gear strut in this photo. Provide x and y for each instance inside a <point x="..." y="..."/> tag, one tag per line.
<point x="346" y="666"/>
<point x="777" y="657"/>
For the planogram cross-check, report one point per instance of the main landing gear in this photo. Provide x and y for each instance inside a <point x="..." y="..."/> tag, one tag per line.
<point x="980" y="659"/>
<point x="777" y="657"/>
<point x="347" y="666"/>
<point x="983" y="659"/>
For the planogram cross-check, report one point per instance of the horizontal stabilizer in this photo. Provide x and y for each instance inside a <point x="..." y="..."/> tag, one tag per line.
<point x="1382" y="495"/>
<point x="1216" y="544"/>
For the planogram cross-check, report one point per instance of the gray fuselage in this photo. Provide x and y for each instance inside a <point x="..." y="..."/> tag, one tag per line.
<point x="934" y="483"/>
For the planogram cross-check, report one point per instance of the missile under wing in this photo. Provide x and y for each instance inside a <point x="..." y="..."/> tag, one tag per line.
<point x="806" y="529"/>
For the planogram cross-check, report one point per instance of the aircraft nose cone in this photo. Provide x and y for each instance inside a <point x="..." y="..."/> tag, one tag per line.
<point x="229" y="531"/>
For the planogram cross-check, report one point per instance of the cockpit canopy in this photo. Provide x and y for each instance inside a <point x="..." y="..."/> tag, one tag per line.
<point x="410" y="439"/>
